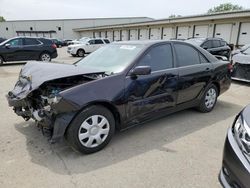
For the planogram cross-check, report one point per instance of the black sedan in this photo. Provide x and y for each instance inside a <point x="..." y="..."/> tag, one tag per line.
<point x="235" y="172"/>
<point x="27" y="48"/>
<point x="215" y="46"/>
<point x="116" y="87"/>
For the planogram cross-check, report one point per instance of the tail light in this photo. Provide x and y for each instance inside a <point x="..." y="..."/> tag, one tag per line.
<point x="230" y="67"/>
<point x="53" y="46"/>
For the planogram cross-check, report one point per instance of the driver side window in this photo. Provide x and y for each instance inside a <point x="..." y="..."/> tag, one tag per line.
<point x="208" y="44"/>
<point x="92" y="42"/>
<point x="16" y="42"/>
<point x="158" y="58"/>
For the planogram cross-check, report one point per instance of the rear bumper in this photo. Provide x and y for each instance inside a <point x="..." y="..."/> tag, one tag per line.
<point x="235" y="172"/>
<point x="54" y="55"/>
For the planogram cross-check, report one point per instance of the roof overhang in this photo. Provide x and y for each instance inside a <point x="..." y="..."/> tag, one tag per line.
<point x="196" y="18"/>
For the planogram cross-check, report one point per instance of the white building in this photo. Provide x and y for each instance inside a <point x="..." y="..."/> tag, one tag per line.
<point x="234" y="27"/>
<point x="61" y="28"/>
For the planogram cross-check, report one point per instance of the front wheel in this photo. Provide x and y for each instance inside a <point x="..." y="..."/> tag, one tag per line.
<point x="209" y="99"/>
<point x="45" y="57"/>
<point x="80" y="53"/>
<point x="91" y="130"/>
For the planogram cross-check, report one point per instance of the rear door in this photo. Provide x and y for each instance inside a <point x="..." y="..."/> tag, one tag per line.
<point x="32" y="48"/>
<point x="154" y="92"/>
<point x="194" y="72"/>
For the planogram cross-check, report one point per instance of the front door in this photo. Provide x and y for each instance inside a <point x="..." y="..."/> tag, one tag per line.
<point x="14" y="50"/>
<point x="151" y="93"/>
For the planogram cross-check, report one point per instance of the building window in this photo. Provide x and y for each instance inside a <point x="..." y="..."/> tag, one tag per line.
<point x="59" y="28"/>
<point x="7" y="28"/>
<point x="31" y="28"/>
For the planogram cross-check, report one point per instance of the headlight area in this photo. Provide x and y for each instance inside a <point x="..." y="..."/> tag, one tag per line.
<point x="241" y="132"/>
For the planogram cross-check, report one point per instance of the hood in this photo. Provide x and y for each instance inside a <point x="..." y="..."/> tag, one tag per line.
<point x="39" y="72"/>
<point x="241" y="58"/>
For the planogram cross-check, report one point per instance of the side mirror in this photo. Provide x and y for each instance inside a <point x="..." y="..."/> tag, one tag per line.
<point x="140" y="70"/>
<point x="205" y="47"/>
<point x="7" y="45"/>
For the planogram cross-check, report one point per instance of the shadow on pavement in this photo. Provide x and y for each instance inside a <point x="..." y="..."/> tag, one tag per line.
<point x="13" y="64"/>
<point x="61" y="159"/>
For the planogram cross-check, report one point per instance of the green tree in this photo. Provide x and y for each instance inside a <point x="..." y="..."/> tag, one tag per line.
<point x="2" y="19"/>
<point x="224" y="7"/>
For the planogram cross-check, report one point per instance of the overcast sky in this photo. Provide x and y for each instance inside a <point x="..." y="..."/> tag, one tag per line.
<point x="54" y="9"/>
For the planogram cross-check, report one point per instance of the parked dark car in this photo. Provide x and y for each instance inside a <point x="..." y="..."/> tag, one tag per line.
<point x="67" y="42"/>
<point x="235" y="170"/>
<point x="58" y="43"/>
<point x="27" y="48"/>
<point x="116" y="87"/>
<point x="2" y="39"/>
<point x="215" y="46"/>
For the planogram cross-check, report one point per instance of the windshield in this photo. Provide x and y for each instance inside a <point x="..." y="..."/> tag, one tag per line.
<point x="112" y="58"/>
<point x="195" y="41"/>
<point x="5" y="42"/>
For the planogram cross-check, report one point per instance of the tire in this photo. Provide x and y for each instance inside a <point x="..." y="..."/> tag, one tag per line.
<point x="80" y="53"/>
<point x="84" y="134"/>
<point x="209" y="99"/>
<point x="1" y="61"/>
<point x="45" y="57"/>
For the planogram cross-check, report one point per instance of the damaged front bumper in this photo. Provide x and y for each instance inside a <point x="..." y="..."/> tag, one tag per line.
<point x="241" y="72"/>
<point x="54" y="118"/>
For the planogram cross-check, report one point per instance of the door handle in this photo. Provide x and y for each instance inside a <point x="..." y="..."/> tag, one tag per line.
<point x="207" y="69"/>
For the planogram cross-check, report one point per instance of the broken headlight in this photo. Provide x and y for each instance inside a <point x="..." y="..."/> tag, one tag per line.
<point x="242" y="134"/>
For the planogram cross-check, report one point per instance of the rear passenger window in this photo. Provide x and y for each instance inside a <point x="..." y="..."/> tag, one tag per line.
<point x="28" y="41"/>
<point x="186" y="55"/>
<point x="98" y="41"/>
<point x="158" y="58"/>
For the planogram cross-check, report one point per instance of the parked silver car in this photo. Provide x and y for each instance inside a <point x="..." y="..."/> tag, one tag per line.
<point x="241" y="64"/>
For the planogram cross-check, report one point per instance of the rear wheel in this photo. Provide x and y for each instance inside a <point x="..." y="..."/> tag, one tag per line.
<point x="45" y="57"/>
<point x="91" y="130"/>
<point x="80" y="53"/>
<point x="1" y="61"/>
<point x="209" y="99"/>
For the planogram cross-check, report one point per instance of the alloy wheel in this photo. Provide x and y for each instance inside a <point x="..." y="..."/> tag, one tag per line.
<point x="45" y="57"/>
